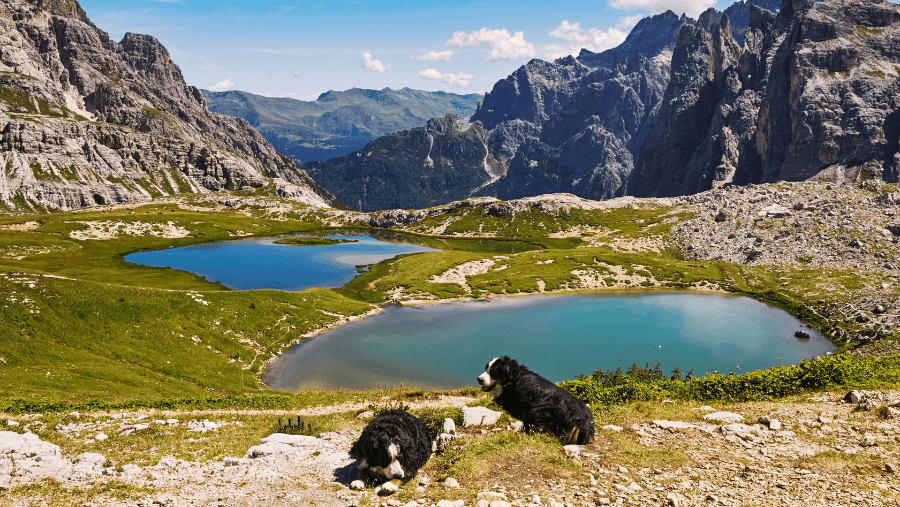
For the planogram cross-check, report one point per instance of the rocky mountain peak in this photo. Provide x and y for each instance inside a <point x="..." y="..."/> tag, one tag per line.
<point x="650" y="37"/>
<point x="85" y="120"/>
<point x="813" y="93"/>
<point x="63" y="8"/>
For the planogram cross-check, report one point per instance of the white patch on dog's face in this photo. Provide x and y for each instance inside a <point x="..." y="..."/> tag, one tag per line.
<point x="484" y="380"/>
<point x="393" y="469"/>
<point x="393" y="451"/>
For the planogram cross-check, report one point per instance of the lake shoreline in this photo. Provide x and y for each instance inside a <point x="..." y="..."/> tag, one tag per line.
<point x="342" y="359"/>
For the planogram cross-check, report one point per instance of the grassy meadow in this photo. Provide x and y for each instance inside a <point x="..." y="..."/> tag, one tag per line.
<point x="79" y="323"/>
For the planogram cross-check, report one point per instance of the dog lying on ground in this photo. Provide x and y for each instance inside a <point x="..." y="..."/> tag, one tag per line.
<point x="540" y="404"/>
<point x="396" y="444"/>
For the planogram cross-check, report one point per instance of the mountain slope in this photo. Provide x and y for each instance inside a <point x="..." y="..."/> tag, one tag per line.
<point x="446" y="160"/>
<point x="813" y="93"/>
<point x="573" y="125"/>
<point x="85" y="120"/>
<point x="337" y="123"/>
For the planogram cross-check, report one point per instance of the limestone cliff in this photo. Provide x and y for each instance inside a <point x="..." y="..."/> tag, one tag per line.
<point x="573" y="125"/>
<point x="813" y="93"/>
<point x="85" y="120"/>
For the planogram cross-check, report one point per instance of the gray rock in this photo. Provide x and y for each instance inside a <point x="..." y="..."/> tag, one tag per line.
<point x="479" y="416"/>
<point x="87" y="466"/>
<point x="854" y="397"/>
<point x="450" y="482"/>
<point x="449" y="426"/>
<point x="442" y="440"/>
<point x="674" y="426"/>
<point x="726" y="417"/>
<point x="19" y="446"/>
<point x="802" y="334"/>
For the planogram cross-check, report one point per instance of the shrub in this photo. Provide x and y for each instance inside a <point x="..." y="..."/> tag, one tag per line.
<point x="648" y="384"/>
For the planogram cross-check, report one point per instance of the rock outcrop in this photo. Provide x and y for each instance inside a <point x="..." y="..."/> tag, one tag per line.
<point x="85" y="120"/>
<point x="813" y="93"/>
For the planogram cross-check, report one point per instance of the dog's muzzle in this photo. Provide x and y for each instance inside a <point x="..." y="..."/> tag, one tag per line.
<point x="486" y="382"/>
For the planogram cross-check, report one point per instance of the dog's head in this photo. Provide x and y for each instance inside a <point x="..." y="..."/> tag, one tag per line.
<point x="497" y="373"/>
<point x="383" y="458"/>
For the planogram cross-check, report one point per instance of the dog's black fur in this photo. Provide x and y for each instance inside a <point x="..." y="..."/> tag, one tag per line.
<point x="540" y="404"/>
<point x="411" y="437"/>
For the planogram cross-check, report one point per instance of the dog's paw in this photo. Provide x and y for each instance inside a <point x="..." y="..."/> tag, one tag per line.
<point x="389" y="488"/>
<point x="357" y="484"/>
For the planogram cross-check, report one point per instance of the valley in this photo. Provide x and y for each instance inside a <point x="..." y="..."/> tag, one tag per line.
<point x="748" y="152"/>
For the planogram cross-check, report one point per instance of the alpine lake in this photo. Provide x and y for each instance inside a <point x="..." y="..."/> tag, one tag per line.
<point x="446" y="345"/>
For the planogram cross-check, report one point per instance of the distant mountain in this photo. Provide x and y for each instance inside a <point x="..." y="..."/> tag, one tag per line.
<point x="572" y="125"/>
<point x="337" y="123"/>
<point x="85" y="120"/>
<point x="446" y="160"/>
<point x="562" y="126"/>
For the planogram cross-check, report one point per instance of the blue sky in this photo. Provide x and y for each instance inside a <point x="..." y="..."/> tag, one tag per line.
<point x="300" y="49"/>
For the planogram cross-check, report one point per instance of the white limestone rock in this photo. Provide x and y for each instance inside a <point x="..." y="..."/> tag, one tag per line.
<point x="479" y="416"/>
<point x="726" y="417"/>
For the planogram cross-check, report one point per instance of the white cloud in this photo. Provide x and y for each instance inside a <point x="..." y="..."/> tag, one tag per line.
<point x="460" y="79"/>
<point x="627" y="22"/>
<point x="692" y="8"/>
<point x="591" y="39"/>
<point x="436" y="56"/>
<point x="221" y="86"/>
<point x="503" y="46"/>
<point x="374" y="65"/>
<point x="297" y="74"/>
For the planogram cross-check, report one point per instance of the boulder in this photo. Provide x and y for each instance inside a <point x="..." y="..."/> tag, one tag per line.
<point x="449" y="426"/>
<point x="479" y="416"/>
<point x="87" y="466"/>
<point x="726" y="417"/>
<point x="674" y="426"/>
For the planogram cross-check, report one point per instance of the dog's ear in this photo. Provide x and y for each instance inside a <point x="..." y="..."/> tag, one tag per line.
<point x="505" y="370"/>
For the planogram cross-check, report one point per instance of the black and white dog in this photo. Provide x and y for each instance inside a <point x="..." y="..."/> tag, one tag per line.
<point x="540" y="404"/>
<point x="393" y="445"/>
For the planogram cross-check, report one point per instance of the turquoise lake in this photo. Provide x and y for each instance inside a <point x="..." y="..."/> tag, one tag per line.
<point x="258" y="263"/>
<point x="447" y="345"/>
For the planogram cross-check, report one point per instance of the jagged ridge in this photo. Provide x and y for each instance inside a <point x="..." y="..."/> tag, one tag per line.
<point x="812" y="94"/>
<point x="85" y="120"/>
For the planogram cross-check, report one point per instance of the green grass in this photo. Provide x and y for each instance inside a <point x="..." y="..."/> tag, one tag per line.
<point x="866" y="32"/>
<point x="114" y="331"/>
<point x="72" y="339"/>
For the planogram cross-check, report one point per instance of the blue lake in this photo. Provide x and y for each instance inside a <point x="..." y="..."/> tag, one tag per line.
<point x="447" y="345"/>
<point x="258" y="263"/>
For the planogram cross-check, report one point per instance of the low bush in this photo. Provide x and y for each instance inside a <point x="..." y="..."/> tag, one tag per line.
<point x="649" y="383"/>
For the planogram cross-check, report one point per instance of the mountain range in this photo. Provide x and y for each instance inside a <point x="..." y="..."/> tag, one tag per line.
<point x="573" y="125"/>
<point x="337" y="122"/>
<point x="85" y="120"/>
